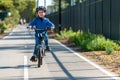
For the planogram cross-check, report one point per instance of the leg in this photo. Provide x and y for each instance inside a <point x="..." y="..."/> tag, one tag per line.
<point x="37" y="42"/>
<point x="46" y="41"/>
<point x="33" y="58"/>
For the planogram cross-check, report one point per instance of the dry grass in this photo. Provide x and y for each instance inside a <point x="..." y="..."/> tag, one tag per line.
<point x="111" y="62"/>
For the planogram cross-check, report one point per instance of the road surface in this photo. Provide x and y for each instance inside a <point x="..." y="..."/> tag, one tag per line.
<point x="61" y="63"/>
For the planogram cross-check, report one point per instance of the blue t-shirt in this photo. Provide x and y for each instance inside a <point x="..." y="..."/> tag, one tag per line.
<point x="41" y="23"/>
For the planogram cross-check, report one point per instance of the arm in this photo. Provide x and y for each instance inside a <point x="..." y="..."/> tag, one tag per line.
<point x="31" y="24"/>
<point x="50" y="25"/>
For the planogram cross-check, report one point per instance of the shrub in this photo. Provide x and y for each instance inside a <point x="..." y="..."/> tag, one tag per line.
<point x="117" y="41"/>
<point x="82" y="39"/>
<point x="89" y="41"/>
<point x="113" y="44"/>
<point x="77" y="38"/>
<point x="3" y="27"/>
<point x="66" y="34"/>
<point x="109" y="49"/>
<point x="97" y="44"/>
<point x="58" y="36"/>
<point x="100" y="43"/>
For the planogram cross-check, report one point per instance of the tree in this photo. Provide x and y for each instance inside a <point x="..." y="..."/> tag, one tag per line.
<point x="16" y="7"/>
<point x="20" y="5"/>
<point x="65" y="4"/>
<point x="6" y="5"/>
<point x="29" y="12"/>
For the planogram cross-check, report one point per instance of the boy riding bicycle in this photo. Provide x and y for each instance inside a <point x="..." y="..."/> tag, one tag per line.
<point x="40" y="22"/>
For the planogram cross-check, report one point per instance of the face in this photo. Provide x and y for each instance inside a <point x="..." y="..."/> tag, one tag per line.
<point x="41" y="13"/>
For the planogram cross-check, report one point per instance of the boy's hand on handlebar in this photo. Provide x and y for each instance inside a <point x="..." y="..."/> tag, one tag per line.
<point x="28" y="27"/>
<point x="52" y="29"/>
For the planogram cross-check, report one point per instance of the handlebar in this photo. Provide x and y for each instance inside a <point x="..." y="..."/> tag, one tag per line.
<point x="40" y="30"/>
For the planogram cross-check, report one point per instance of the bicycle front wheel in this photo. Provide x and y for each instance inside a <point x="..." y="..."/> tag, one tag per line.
<point x="40" y="57"/>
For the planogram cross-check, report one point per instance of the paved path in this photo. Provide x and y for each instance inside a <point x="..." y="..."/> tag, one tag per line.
<point x="61" y="63"/>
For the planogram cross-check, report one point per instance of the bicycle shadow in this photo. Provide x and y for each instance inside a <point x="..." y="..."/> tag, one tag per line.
<point x="56" y="49"/>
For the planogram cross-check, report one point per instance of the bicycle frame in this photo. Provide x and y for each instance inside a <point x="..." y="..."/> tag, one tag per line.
<point x="41" y="47"/>
<point x="42" y="43"/>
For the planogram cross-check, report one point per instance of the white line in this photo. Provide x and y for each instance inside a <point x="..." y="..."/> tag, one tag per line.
<point x="25" y="68"/>
<point x="90" y="62"/>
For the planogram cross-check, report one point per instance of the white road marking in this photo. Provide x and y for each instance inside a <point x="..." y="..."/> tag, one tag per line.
<point x="90" y="62"/>
<point x="25" y="68"/>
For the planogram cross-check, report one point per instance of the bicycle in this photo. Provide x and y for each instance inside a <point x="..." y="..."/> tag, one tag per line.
<point x="41" y="47"/>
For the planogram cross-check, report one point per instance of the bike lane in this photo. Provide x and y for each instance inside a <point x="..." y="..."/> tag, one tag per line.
<point x="11" y="57"/>
<point x="61" y="63"/>
<point x="15" y="52"/>
<point x="72" y="66"/>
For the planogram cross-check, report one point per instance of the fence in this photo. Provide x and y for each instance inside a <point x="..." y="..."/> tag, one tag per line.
<point x="96" y="16"/>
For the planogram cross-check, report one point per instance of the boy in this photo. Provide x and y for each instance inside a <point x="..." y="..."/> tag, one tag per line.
<point x="41" y="23"/>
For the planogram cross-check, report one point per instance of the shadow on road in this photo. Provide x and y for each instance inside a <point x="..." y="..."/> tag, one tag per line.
<point x="68" y="72"/>
<point x="14" y="67"/>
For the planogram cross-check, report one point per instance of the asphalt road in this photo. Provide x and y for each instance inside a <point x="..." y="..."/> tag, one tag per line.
<point x="61" y="63"/>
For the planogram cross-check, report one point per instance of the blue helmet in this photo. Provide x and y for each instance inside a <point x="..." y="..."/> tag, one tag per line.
<point x="40" y="8"/>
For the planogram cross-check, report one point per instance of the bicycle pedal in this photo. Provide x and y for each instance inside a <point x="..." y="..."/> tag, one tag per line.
<point x="34" y="61"/>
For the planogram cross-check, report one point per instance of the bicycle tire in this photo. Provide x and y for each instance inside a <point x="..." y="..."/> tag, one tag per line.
<point x="38" y="56"/>
<point x="41" y="55"/>
<point x="43" y="48"/>
<point x="43" y="52"/>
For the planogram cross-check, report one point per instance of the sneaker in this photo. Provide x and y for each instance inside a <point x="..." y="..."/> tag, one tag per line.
<point x="33" y="59"/>
<point x="48" y="48"/>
